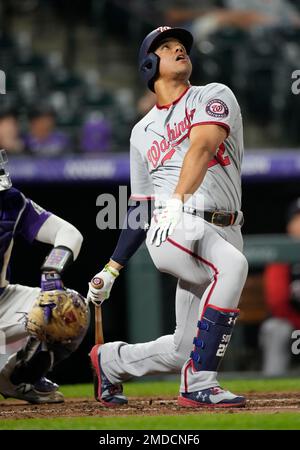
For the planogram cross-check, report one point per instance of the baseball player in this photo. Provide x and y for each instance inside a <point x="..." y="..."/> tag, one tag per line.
<point x="186" y="153"/>
<point x="24" y="359"/>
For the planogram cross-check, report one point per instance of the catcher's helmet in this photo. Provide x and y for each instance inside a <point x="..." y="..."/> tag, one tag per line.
<point x="5" y="181"/>
<point x="149" y="61"/>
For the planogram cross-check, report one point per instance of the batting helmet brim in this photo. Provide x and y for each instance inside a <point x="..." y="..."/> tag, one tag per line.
<point x="184" y="36"/>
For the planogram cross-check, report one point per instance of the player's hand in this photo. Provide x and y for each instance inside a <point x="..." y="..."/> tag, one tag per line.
<point x="101" y="284"/>
<point x="166" y="220"/>
<point x="51" y="281"/>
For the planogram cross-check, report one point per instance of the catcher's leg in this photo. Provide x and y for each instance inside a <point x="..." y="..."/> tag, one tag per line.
<point x="16" y="302"/>
<point x="23" y="375"/>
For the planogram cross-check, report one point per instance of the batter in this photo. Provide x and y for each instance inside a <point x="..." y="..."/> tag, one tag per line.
<point x="185" y="156"/>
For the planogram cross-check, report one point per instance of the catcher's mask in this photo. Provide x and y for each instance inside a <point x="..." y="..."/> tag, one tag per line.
<point x="59" y="315"/>
<point x="5" y="181"/>
<point x="149" y="61"/>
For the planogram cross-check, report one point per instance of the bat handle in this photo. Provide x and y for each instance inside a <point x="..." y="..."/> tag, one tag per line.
<point x="99" y="339"/>
<point x="97" y="283"/>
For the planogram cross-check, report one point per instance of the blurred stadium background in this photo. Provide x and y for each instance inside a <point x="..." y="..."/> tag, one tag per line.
<point x="73" y="94"/>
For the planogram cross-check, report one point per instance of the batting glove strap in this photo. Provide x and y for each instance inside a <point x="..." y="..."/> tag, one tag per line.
<point x="114" y="272"/>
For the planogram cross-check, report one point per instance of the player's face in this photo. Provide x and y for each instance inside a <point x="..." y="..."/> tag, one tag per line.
<point x="174" y="60"/>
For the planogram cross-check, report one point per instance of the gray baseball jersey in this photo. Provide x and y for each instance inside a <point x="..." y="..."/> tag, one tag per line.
<point x="209" y="265"/>
<point x="160" y="141"/>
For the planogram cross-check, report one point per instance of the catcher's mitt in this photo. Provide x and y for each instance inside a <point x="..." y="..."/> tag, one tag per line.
<point x="59" y="315"/>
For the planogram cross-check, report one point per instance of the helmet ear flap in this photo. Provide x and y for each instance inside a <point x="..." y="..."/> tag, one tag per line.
<point x="149" y="69"/>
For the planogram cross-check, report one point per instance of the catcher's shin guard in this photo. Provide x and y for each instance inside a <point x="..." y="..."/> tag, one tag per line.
<point x="42" y="391"/>
<point x="214" y="333"/>
<point x="32" y="362"/>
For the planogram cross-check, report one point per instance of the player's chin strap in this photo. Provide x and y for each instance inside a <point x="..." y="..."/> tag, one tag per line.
<point x="55" y="263"/>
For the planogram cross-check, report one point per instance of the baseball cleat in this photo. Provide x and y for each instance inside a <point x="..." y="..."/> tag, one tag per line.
<point x="214" y="397"/>
<point x="110" y="395"/>
<point x="43" y="391"/>
<point x="31" y="394"/>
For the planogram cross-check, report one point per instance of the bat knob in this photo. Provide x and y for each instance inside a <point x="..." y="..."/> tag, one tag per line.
<point x="97" y="283"/>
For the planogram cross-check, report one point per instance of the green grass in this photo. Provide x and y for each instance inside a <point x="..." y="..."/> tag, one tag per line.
<point x="220" y="421"/>
<point x="170" y="388"/>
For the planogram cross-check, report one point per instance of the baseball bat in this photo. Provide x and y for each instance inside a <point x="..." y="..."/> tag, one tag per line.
<point x="99" y="339"/>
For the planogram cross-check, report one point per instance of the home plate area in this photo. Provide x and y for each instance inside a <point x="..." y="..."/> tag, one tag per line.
<point x="145" y="406"/>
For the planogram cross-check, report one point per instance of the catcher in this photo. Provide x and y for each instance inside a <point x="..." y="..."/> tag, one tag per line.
<point x="39" y="327"/>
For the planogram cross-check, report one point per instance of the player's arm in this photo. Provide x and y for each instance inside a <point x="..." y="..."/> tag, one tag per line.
<point x="38" y="224"/>
<point x="59" y="232"/>
<point x="206" y="134"/>
<point x="130" y="239"/>
<point x="134" y="228"/>
<point x="205" y="140"/>
<point x="66" y="241"/>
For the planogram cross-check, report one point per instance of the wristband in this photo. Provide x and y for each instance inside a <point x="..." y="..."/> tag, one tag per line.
<point x="58" y="259"/>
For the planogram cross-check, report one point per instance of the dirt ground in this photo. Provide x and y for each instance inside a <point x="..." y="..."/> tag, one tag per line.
<point x="270" y="402"/>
